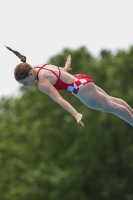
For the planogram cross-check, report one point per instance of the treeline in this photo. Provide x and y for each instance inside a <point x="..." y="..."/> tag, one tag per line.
<point x="45" y="154"/>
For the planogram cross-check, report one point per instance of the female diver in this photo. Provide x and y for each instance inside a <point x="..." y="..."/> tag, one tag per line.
<point x="52" y="78"/>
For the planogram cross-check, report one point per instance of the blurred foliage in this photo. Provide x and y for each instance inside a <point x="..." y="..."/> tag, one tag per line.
<point x="45" y="154"/>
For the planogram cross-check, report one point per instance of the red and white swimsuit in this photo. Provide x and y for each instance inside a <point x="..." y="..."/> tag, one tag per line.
<point x="80" y="79"/>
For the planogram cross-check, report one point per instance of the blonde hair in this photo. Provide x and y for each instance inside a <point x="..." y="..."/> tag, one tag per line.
<point x="21" y="71"/>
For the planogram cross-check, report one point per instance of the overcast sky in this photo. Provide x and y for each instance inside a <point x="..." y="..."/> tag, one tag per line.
<point x="40" y="29"/>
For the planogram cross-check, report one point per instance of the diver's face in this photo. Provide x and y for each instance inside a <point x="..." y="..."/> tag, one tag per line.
<point x="29" y="80"/>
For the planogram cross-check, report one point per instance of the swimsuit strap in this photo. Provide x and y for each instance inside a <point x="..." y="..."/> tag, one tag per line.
<point x="59" y="73"/>
<point x="48" y="70"/>
<point x="40" y="69"/>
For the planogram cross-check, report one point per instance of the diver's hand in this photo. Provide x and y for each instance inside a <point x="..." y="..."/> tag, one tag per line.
<point x="78" y="117"/>
<point x="68" y="64"/>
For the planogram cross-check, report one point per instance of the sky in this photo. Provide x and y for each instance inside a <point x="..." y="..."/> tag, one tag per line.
<point x="41" y="29"/>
